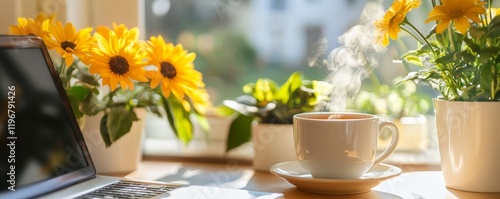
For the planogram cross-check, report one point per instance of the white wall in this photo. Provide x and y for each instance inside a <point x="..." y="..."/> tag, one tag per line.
<point x="280" y="34"/>
<point x="82" y="13"/>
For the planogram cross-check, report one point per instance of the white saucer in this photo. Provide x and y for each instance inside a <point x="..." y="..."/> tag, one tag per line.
<point x="294" y="173"/>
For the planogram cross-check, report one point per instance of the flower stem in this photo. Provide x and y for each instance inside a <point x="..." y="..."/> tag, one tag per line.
<point x="62" y="74"/>
<point x="405" y="21"/>
<point x="413" y="35"/>
<point x="450" y="37"/>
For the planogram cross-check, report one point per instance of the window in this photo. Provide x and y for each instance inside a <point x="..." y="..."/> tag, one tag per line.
<point x="236" y="42"/>
<point x="239" y="41"/>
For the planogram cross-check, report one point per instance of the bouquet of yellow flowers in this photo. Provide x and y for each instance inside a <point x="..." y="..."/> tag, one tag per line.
<point x="114" y="72"/>
<point x="459" y="56"/>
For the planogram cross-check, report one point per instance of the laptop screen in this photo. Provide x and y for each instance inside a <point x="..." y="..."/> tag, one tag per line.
<point x="42" y="147"/>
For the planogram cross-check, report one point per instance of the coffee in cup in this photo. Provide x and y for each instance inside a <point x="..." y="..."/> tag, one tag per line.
<point x="340" y="145"/>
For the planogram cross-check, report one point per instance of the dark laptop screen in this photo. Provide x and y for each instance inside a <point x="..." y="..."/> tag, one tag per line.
<point x="37" y="138"/>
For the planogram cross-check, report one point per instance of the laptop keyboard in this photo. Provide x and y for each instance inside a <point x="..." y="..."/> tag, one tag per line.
<point x="128" y="189"/>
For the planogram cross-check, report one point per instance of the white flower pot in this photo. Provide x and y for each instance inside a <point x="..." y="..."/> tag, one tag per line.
<point x="124" y="155"/>
<point x="413" y="135"/>
<point x="272" y="143"/>
<point x="469" y="144"/>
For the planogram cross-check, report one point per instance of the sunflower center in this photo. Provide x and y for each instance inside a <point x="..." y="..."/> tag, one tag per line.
<point x="68" y="44"/>
<point x="454" y="14"/>
<point x="118" y="65"/>
<point x="168" y="70"/>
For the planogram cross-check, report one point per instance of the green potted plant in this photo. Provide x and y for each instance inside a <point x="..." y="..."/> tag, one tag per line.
<point x="458" y="58"/>
<point x="265" y="115"/>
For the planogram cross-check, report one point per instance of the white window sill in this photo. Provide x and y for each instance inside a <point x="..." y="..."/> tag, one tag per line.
<point x="160" y="142"/>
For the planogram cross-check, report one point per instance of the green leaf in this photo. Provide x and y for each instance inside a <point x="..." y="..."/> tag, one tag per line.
<point x="448" y="58"/>
<point x="92" y="105"/>
<point x="493" y="33"/>
<point x="465" y="56"/>
<point x="75" y="106"/>
<point x="488" y="53"/>
<point x="486" y="77"/>
<point x="263" y="91"/>
<point x="494" y="28"/>
<point x="155" y="110"/>
<point x="473" y="46"/>
<point x="286" y="91"/>
<point x="413" y="59"/>
<point x="179" y="120"/>
<point x="249" y="88"/>
<point x="87" y="78"/>
<point x="240" y="131"/>
<point x="119" y="122"/>
<point x="495" y="22"/>
<point x="79" y="92"/>
<point x="104" y="130"/>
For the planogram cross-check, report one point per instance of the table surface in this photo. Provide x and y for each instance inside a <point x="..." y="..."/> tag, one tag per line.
<point x="416" y="181"/>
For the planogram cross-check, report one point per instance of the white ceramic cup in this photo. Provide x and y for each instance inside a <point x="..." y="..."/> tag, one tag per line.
<point x="340" y="145"/>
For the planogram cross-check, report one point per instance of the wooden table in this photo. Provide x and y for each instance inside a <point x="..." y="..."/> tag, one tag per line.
<point x="416" y="181"/>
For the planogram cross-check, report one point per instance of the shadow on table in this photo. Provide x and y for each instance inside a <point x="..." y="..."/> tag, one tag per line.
<point x="297" y="193"/>
<point x="203" y="177"/>
<point x="472" y="195"/>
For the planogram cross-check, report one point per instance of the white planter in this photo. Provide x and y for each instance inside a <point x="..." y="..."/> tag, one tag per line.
<point x="124" y="155"/>
<point x="272" y="143"/>
<point x="469" y="144"/>
<point x="413" y="135"/>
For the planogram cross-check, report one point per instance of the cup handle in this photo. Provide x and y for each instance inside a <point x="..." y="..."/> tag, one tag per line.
<point x="392" y="145"/>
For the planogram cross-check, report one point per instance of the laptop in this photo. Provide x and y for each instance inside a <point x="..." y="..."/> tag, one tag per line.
<point x="43" y="153"/>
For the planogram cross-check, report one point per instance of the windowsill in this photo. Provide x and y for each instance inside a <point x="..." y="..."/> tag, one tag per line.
<point x="214" y="150"/>
<point x="160" y="142"/>
<point x="196" y="149"/>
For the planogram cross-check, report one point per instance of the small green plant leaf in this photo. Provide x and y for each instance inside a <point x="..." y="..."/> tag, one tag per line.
<point x="486" y="77"/>
<point x="179" y="120"/>
<point x="119" y="122"/>
<point x="92" y="105"/>
<point x="240" y="131"/>
<point x="293" y="83"/>
<point x="104" y="130"/>
<point x="74" y="103"/>
<point x="413" y="59"/>
<point x="79" y="92"/>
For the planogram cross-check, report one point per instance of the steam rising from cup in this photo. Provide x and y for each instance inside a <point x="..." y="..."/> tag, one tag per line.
<point x="351" y="62"/>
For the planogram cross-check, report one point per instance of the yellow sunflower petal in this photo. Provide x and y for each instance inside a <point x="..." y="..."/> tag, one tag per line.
<point x="462" y="24"/>
<point x="165" y="88"/>
<point x="186" y="105"/>
<point x="442" y="25"/>
<point x="68" y="59"/>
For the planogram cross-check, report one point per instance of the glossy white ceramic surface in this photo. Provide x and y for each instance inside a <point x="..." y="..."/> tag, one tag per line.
<point x="294" y="173"/>
<point x="469" y="143"/>
<point x="339" y="148"/>
<point x="272" y="144"/>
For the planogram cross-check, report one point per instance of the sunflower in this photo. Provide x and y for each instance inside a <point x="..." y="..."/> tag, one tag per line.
<point x="68" y="42"/>
<point x="28" y="26"/>
<point x="174" y="69"/>
<point x="389" y="25"/>
<point x="457" y="11"/>
<point x="121" y="31"/>
<point x="117" y="60"/>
